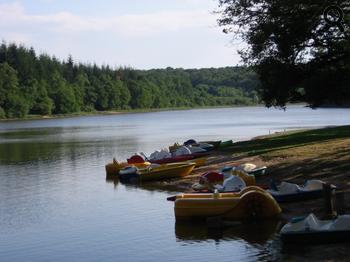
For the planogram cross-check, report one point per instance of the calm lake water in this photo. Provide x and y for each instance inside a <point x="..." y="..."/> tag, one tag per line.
<point x="56" y="204"/>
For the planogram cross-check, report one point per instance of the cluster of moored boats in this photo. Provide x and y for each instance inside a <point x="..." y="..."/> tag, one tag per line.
<point x="177" y="161"/>
<point x="231" y="193"/>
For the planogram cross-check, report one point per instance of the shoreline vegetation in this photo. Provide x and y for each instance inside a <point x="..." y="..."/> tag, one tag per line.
<point x="294" y="156"/>
<point x="117" y="112"/>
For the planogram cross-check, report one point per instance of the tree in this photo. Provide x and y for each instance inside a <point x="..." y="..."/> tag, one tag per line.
<point x="16" y="106"/>
<point x="140" y="95"/>
<point x="63" y="95"/>
<point x="80" y="86"/>
<point x="84" y="92"/>
<point x="11" y="100"/>
<point x="297" y="54"/>
<point x="43" y="105"/>
<point x="124" y="94"/>
<point x="2" y="113"/>
<point x="69" y="69"/>
<point x="101" y="93"/>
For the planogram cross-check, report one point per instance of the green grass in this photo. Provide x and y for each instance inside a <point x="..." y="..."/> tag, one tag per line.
<point x="300" y="155"/>
<point x="289" y="140"/>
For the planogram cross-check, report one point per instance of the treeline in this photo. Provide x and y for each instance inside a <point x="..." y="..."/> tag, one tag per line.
<point x="44" y="85"/>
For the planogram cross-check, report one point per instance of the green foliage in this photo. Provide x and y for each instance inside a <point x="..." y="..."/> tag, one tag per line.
<point x="44" y="85"/>
<point x="296" y="53"/>
<point x="43" y="105"/>
<point x="140" y="98"/>
<point x="16" y="106"/>
<point x="2" y="113"/>
<point x="124" y="94"/>
<point x="12" y="100"/>
<point x="62" y="95"/>
<point x="8" y="82"/>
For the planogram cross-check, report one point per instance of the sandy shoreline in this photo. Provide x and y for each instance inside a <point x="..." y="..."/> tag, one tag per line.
<point x="326" y="159"/>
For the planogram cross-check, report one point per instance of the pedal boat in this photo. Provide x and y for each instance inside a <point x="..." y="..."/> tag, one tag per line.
<point x="251" y="202"/>
<point x="158" y="172"/>
<point x="311" y="230"/>
<point x="114" y="167"/>
<point x="197" y="157"/>
<point x="289" y="192"/>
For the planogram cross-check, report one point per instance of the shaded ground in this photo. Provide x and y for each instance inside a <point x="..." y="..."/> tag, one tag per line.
<point x="293" y="156"/>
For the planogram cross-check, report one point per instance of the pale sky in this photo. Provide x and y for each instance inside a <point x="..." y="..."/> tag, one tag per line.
<point x="143" y="34"/>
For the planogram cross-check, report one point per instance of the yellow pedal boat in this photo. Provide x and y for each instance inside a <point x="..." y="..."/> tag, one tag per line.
<point x="198" y="161"/>
<point x="114" y="167"/>
<point x="158" y="172"/>
<point x="251" y="202"/>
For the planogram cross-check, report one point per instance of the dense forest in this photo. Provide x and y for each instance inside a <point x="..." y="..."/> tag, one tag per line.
<point x="40" y="84"/>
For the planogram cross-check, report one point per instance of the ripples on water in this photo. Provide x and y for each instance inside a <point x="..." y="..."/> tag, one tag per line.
<point x="57" y="205"/>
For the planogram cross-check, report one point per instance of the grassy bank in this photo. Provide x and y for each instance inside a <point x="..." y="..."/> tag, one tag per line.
<point x="299" y="155"/>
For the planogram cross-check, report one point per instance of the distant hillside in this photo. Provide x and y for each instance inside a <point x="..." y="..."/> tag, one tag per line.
<point x="44" y="85"/>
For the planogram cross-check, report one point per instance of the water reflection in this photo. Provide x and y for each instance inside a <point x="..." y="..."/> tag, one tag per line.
<point x="311" y="252"/>
<point x="113" y="179"/>
<point x="45" y="148"/>
<point x="252" y="232"/>
<point x="156" y="186"/>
